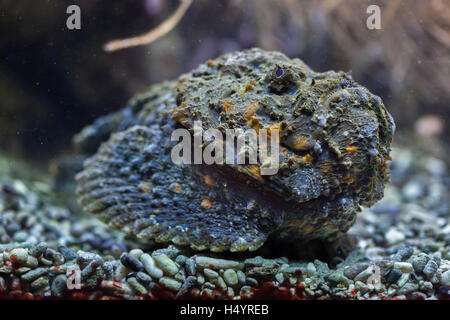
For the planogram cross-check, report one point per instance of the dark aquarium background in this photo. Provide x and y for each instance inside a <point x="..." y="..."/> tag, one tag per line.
<point x="54" y="81"/>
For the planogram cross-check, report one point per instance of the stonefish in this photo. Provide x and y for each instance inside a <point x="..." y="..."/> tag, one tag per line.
<point x="335" y="139"/>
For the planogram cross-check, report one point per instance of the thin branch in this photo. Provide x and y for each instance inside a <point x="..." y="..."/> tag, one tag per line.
<point x="146" y="38"/>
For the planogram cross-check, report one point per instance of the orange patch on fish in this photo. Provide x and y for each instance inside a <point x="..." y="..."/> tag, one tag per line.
<point x="301" y="143"/>
<point x="229" y="106"/>
<point x="352" y="149"/>
<point x="208" y="180"/>
<point x="272" y="129"/>
<point x="348" y="180"/>
<point x="179" y="115"/>
<point x="145" y="187"/>
<point x="175" y="187"/>
<point x="326" y="166"/>
<point x="308" y="158"/>
<point x="250" y="110"/>
<point x="207" y="203"/>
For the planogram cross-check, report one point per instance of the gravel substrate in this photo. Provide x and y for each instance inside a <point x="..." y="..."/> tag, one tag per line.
<point x="403" y="252"/>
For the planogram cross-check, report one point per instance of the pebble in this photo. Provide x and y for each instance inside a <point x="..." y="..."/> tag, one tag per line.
<point x="15" y="284"/>
<point x="418" y="296"/>
<point x="34" y="274"/>
<point x="21" y="270"/>
<point x="321" y="267"/>
<point x="166" y="264"/>
<point x="6" y="269"/>
<point x="85" y="257"/>
<point x="57" y="257"/>
<point x="245" y="292"/>
<point x="310" y="269"/>
<point x="361" y="287"/>
<point x="190" y="267"/>
<point x="200" y="279"/>
<point x="412" y="190"/>
<point x="131" y="262"/>
<point x="394" y="236"/>
<point x="338" y="278"/>
<point x="279" y="277"/>
<point x="181" y="260"/>
<point x="143" y="277"/>
<point x="92" y="281"/>
<point x="188" y="285"/>
<point x="221" y="283"/>
<point x="136" y="253"/>
<point x="39" y="283"/>
<point x="241" y="276"/>
<point x="170" y="283"/>
<point x="254" y="262"/>
<point x="405" y="267"/>
<point x="251" y="282"/>
<point x="108" y="269"/>
<point x="292" y="281"/>
<point x="353" y="270"/>
<point x="385" y="267"/>
<point x="430" y="269"/>
<point x="231" y="278"/>
<point x="362" y="276"/>
<point x="136" y="286"/>
<point x="393" y="276"/>
<point x="403" y="279"/>
<point x="20" y="236"/>
<point x="3" y="285"/>
<point x="213" y="263"/>
<point x="171" y="251"/>
<point x="67" y="253"/>
<point x="207" y="292"/>
<point x="59" y="285"/>
<point x="209" y="285"/>
<point x="32" y="262"/>
<point x="45" y="261"/>
<point x="419" y="263"/>
<point x="18" y="256"/>
<point x="89" y="269"/>
<point x="120" y="272"/>
<point x="38" y="250"/>
<point x="150" y="267"/>
<point x="403" y="254"/>
<point x="426" y="286"/>
<point x="181" y="275"/>
<point x="445" y="278"/>
<point x="210" y="273"/>
<point x="407" y="288"/>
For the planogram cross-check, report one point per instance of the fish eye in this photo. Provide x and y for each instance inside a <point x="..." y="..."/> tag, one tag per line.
<point x="279" y="72"/>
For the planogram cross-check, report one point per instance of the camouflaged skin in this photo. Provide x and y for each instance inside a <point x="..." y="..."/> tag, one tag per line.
<point x="334" y="150"/>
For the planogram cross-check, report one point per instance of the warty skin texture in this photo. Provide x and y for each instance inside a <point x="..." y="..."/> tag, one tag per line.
<point x="334" y="151"/>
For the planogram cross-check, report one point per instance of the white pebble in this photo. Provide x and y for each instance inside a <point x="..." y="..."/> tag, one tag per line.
<point x="166" y="264"/>
<point x="394" y="236"/>
<point x="402" y="280"/>
<point x="170" y="283"/>
<point x="310" y="269"/>
<point x="19" y="256"/>
<point x="210" y="273"/>
<point x="120" y="272"/>
<point x="230" y="277"/>
<point x="212" y="263"/>
<point x="137" y="253"/>
<point x="149" y="266"/>
<point x="405" y="267"/>
<point x="445" y="278"/>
